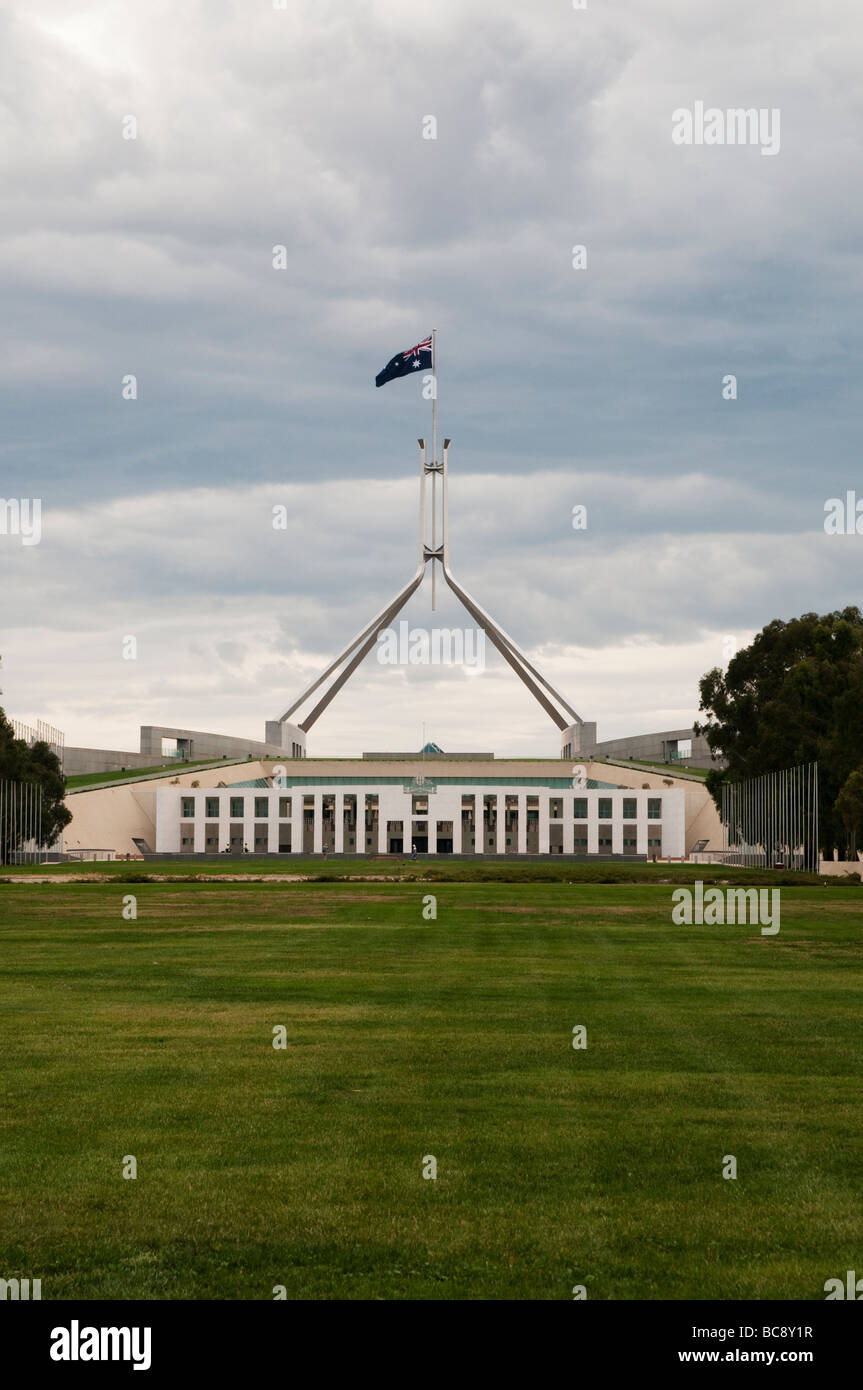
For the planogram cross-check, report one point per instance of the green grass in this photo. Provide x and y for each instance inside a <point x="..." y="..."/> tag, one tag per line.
<point x="433" y="869"/>
<point x="673" y="769"/>
<point x="86" y="781"/>
<point x="406" y="1038"/>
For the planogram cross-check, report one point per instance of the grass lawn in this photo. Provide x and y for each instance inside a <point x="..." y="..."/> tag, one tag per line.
<point x="83" y="781"/>
<point x="673" y="769"/>
<point x="407" y="1038"/>
<point x="431" y="868"/>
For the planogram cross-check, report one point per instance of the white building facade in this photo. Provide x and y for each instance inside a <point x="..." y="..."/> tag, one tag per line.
<point x="438" y="815"/>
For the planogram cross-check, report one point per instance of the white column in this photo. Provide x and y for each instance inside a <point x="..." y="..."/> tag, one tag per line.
<point x="339" y="846"/>
<point x="522" y="822"/>
<point x="544" y="798"/>
<point x="501" y="822"/>
<point x="200" y="828"/>
<point x="592" y="824"/>
<point x="273" y="822"/>
<point x="456" y="820"/>
<point x="674" y="824"/>
<point x="318" y="843"/>
<point x="641" y="823"/>
<point x="224" y="821"/>
<point x="167" y="821"/>
<point x="568" y="823"/>
<point x="617" y="823"/>
<point x="402" y="812"/>
<point x="477" y="824"/>
<point x="296" y="820"/>
<point x="432" y="824"/>
<point x="383" y="817"/>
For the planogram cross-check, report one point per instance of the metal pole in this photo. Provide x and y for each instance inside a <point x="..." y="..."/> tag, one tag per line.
<point x="445" y="504"/>
<point x="422" y="445"/>
<point x="434" y="456"/>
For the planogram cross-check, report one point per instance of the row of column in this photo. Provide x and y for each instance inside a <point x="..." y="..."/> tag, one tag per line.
<point x="432" y="817"/>
<point x="395" y="811"/>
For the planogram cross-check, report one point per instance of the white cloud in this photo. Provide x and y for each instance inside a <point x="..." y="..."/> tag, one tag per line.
<point x="233" y="618"/>
<point x="302" y="127"/>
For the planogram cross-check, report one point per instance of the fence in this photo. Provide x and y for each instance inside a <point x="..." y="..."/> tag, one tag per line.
<point x="20" y="823"/>
<point x="772" y="821"/>
<point x="42" y="733"/>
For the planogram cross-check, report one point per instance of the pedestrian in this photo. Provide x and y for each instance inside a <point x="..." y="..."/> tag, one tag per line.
<point x="413" y="851"/>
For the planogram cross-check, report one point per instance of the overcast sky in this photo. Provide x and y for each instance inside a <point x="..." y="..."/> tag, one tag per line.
<point x="303" y="127"/>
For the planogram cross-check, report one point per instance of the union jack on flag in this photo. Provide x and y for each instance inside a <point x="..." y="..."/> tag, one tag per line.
<point x="414" y="360"/>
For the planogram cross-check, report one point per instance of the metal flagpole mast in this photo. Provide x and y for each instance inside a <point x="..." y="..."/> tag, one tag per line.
<point x="434" y="456"/>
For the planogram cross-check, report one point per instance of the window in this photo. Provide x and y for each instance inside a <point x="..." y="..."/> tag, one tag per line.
<point x="188" y="811"/>
<point x="213" y="807"/>
<point x="579" y="808"/>
<point x="237" y="808"/>
<point x="630" y="805"/>
<point x="284" y="807"/>
<point x="654" y="808"/>
<point x="262" y="807"/>
<point x="605" y="808"/>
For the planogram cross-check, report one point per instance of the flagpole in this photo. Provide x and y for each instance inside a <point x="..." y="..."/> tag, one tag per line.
<point x="434" y="455"/>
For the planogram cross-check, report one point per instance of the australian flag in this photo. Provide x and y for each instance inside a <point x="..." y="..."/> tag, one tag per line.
<point x="414" y="360"/>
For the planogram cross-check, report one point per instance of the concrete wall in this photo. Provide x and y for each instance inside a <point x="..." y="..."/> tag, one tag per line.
<point x="429" y="757"/>
<point x="836" y="868"/>
<point x="702" y="817"/>
<point x="110" y="817"/>
<point x="279" y="733"/>
<point x="79" y="760"/>
<point x="200" y="746"/>
<point x="394" y="804"/>
<point x="649" y="748"/>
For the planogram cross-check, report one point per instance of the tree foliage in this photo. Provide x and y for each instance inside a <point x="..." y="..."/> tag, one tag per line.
<point x="849" y="806"/>
<point x="34" y="764"/>
<point x="795" y="695"/>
